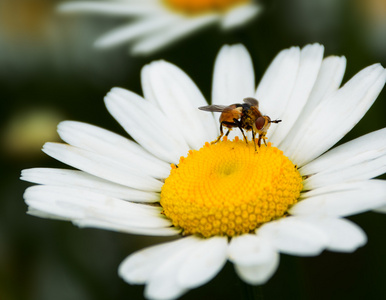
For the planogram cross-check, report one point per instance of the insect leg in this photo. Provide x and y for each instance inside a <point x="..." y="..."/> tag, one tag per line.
<point x="254" y="138"/>
<point x="221" y="134"/>
<point x="238" y="124"/>
<point x="265" y="140"/>
<point x="261" y="137"/>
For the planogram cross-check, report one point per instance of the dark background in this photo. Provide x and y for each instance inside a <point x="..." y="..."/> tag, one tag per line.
<point x="50" y="72"/>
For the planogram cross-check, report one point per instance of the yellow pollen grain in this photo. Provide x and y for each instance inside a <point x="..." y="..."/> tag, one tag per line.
<point x="193" y="7"/>
<point x="229" y="189"/>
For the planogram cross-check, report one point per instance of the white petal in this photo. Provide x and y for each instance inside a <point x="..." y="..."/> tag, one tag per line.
<point x="276" y="86"/>
<point x="163" y="282"/>
<point x="133" y="30"/>
<point x="260" y="273"/>
<point x="112" y="145"/>
<point x="249" y="249"/>
<point x="89" y="203"/>
<point x="310" y="61"/>
<point x="92" y="223"/>
<point x="165" y="289"/>
<point x="360" y="159"/>
<point x="342" y="199"/>
<point x="146" y="124"/>
<point x="171" y="268"/>
<point x="106" y="8"/>
<point x="254" y="257"/>
<point x="101" y="166"/>
<point x="79" y="179"/>
<point x="87" y="208"/>
<point x="328" y="81"/>
<point x="344" y="236"/>
<point x="139" y="266"/>
<point x="158" y="40"/>
<point x="204" y="263"/>
<point x="41" y="214"/>
<point x="178" y="97"/>
<point x="233" y="76"/>
<point x="240" y="15"/>
<point x="233" y="79"/>
<point x="293" y="236"/>
<point x="106" y="225"/>
<point x="381" y="209"/>
<point x="323" y="127"/>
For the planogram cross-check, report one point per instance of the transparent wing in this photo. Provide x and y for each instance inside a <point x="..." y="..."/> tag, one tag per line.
<point x="214" y="108"/>
<point x="252" y="101"/>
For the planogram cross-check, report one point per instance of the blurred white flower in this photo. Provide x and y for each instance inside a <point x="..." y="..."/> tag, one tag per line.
<point x="161" y="22"/>
<point x="224" y="201"/>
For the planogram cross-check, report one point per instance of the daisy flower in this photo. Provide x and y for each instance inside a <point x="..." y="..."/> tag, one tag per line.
<point x="161" y="22"/>
<point x="223" y="201"/>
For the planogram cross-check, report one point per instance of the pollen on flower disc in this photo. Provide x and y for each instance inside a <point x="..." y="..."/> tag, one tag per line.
<point x="229" y="189"/>
<point x="202" y="6"/>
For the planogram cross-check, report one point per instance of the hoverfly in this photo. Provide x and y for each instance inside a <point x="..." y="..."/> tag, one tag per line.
<point x="245" y="116"/>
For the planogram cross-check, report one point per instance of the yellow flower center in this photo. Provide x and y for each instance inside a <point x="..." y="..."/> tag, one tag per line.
<point x="202" y="6"/>
<point x="229" y="189"/>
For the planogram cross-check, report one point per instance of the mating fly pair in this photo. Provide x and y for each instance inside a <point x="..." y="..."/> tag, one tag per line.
<point x="245" y="116"/>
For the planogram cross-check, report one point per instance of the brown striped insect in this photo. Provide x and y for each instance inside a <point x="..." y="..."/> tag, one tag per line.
<point x="246" y="116"/>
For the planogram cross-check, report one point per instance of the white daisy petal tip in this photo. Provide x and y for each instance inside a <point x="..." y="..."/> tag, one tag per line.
<point x="255" y="258"/>
<point x="163" y="282"/>
<point x="240" y="15"/>
<point x="343" y="199"/>
<point x="350" y="102"/>
<point x="204" y="263"/>
<point x="231" y="52"/>
<point x="380" y="209"/>
<point x="233" y="76"/>
<point x="147" y="124"/>
<point x="65" y="7"/>
<point x="103" y="43"/>
<point x="110" y="8"/>
<point x="78" y="7"/>
<point x="163" y="292"/>
<point x="342" y="234"/>
<point x="172" y="91"/>
<point x="258" y="274"/>
<point x="294" y="236"/>
<point x="250" y="249"/>
<point x="360" y="159"/>
<point x="348" y="240"/>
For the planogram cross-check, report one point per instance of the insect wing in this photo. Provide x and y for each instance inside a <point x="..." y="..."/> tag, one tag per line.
<point x="214" y="108"/>
<point x="251" y="101"/>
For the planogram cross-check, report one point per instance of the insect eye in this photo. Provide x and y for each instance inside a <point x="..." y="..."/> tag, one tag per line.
<point x="260" y="122"/>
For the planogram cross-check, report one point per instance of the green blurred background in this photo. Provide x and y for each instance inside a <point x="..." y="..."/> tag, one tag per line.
<point x="50" y="72"/>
